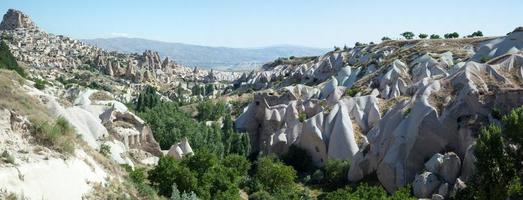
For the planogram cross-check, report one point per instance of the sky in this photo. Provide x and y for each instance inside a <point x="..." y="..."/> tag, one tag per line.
<point x="249" y="23"/>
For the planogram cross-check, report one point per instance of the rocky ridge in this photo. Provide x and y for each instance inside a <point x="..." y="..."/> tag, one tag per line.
<point x="389" y="108"/>
<point x="44" y="52"/>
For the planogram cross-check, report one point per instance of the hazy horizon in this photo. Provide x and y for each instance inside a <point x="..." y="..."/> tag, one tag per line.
<point x="242" y="24"/>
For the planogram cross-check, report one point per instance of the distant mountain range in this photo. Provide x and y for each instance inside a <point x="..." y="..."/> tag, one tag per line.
<point x="223" y="58"/>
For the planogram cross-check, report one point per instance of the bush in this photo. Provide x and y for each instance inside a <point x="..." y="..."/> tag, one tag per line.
<point x="336" y="172"/>
<point x="476" y="34"/>
<point x="352" y="91"/>
<point x="58" y="136"/>
<point x="204" y="173"/>
<point x="423" y="36"/>
<point x="365" y="191"/>
<point x="273" y="175"/>
<point x="451" y="35"/>
<point x="105" y="150"/>
<point x="385" y="38"/>
<point x="302" y="117"/>
<point x="175" y="195"/>
<point x="261" y="195"/>
<point x="40" y="84"/>
<point x="168" y="172"/>
<point x="434" y="36"/>
<point x="407" y="35"/>
<point x="299" y="159"/>
<point x="499" y="164"/>
<point x="210" y="111"/>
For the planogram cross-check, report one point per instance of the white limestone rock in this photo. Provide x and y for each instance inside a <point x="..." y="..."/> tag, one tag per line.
<point x="425" y="184"/>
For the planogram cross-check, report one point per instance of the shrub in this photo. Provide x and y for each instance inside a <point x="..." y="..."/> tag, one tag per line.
<point x="385" y="38"/>
<point x="407" y="35"/>
<point x="423" y="36"/>
<point x="105" y="150"/>
<point x="302" y="117"/>
<point x="299" y="159"/>
<point x="365" y="191"/>
<point x="451" y="35"/>
<point x="168" y="172"/>
<point x="352" y="91"/>
<point x="261" y="195"/>
<point x="476" y="34"/>
<point x="176" y="195"/>
<point x="336" y="172"/>
<point x="407" y="112"/>
<point x="273" y="175"/>
<point x="40" y="84"/>
<point x="58" y="136"/>
<point x="434" y="36"/>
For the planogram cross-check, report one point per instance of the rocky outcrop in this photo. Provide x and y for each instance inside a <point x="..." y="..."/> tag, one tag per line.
<point x="180" y="149"/>
<point x="276" y="120"/>
<point x="131" y="130"/>
<point x="15" y="19"/>
<point x="405" y="108"/>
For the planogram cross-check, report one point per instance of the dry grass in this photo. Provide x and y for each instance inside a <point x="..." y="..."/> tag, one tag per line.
<point x="101" y="96"/>
<point x="385" y="104"/>
<point x="438" y="99"/>
<point x="358" y="133"/>
<point x="15" y="99"/>
<point x="405" y="50"/>
<point x="122" y="124"/>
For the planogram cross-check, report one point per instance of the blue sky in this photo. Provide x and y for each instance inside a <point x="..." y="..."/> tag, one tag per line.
<point x="249" y="23"/>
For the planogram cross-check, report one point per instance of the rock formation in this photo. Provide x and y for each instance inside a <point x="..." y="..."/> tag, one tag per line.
<point x="14" y="19"/>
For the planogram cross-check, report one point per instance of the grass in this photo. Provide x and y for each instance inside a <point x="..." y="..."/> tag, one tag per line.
<point x="352" y="91"/>
<point x="59" y="135"/>
<point x="40" y="84"/>
<point x="13" y="98"/>
<point x="101" y="96"/>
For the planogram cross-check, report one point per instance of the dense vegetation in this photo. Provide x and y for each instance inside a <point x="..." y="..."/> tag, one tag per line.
<point x="222" y="166"/>
<point x="8" y="61"/>
<point x="170" y="124"/>
<point x="499" y="161"/>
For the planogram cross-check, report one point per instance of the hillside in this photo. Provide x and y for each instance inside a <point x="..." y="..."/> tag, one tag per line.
<point x="223" y="58"/>
<point x="401" y="119"/>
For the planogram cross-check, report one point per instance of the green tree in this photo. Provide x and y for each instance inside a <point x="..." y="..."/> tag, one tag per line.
<point x="476" y="34"/>
<point x="434" y="37"/>
<point x="273" y="175"/>
<point x="385" y="38"/>
<point x="336" y="171"/>
<point x="423" y="35"/>
<point x="168" y="172"/>
<point x="407" y="35"/>
<point x="451" y="35"/>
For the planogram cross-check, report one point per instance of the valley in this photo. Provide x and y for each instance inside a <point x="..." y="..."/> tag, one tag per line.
<point x="413" y="118"/>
